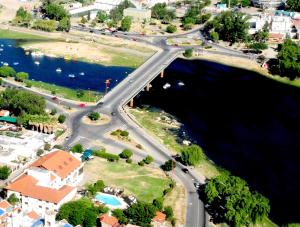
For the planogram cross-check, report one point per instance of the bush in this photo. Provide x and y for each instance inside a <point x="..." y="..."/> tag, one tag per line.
<point x="58" y="146"/>
<point x="39" y="152"/>
<point x="28" y="84"/>
<point x="188" y="53"/>
<point x="47" y="146"/>
<point x="169" y="212"/>
<point x="12" y="199"/>
<point x="108" y="156"/>
<point x="192" y="155"/>
<point x="45" y="25"/>
<point x="167" y="191"/>
<point x="173" y="221"/>
<point x="53" y="111"/>
<point x="94" y="116"/>
<point x="158" y="203"/>
<point x="168" y="165"/>
<point x="5" y="171"/>
<point x="258" y="46"/>
<point x="187" y="27"/>
<point x="21" y="76"/>
<point x="139" y="146"/>
<point x="61" y="118"/>
<point x="77" y="148"/>
<point x="96" y="187"/>
<point x="126" y="154"/>
<point x="124" y="133"/>
<point x="171" y="28"/>
<point x="129" y="160"/>
<point x="6" y="71"/>
<point x="141" y="163"/>
<point x="148" y="159"/>
<point x="214" y="36"/>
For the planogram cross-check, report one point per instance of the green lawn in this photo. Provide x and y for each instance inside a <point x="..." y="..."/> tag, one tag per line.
<point x="143" y="182"/>
<point x="8" y="34"/>
<point x="88" y="96"/>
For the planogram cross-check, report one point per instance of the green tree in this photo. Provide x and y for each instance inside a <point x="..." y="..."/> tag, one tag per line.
<point x="140" y="213"/>
<point x="96" y="187"/>
<point x="94" y="116"/>
<point x="160" y="11"/>
<point x="55" y="11"/>
<point x="20" y="102"/>
<point x="289" y="59"/>
<point x="119" y="214"/>
<point x="6" y="71"/>
<point x="77" y="148"/>
<point x="79" y="93"/>
<point x="214" y="36"/>
<point x="126" y="153"/>
<point x="171" y="28"/>
<point x="4" y="172"/>
<point x="45" y="25"/>
<point x="169" y="212"/>
<point x="188" y="53"/>
<point x="116" y="14"/>
<point x="192" y="155"/>
<point x="168" y="165"/>
<point x="102" y="16"/>
<point x="47" y="146"/>
<point x="148" y="159"/>
<point x="90" y="217"/>
<point x="61" y="118"/>
<point x="258" y="46"/>
<point x="23" y="17"/>
<point x="64" y="24"/>
<point x="158" y="203"/>
<point x="231" y="26"/>
<point x="13" y="199"/>
<point x="21" y="76"/>
<point x="124" y="133"/>
<point x="126" y="24"/>
<point x="294" y="5"/>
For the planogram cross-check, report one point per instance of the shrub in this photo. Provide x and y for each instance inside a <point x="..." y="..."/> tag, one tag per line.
<point x="28" y="84"/>
<point x="94" y="116"/>
<point x="21" y="76"/>
<point x="6" y="71"/>
<point x="12" y="199"/>
<point x="214" y="36"/>
<point x="148" y="159"/>
<point x="126" y="154"/>
<point x="158" y="203"/>
<point x="39" y="152"/>
<point x="139" y="146"/>
<point x="167" y="191"/>
<point x="77" y="148"/>
<point x="5" y="171"/>
<point x="45" y="25"/>
<point x="187" y="27"/>
<point x="173" y="221"/>
<point x="47" y="146"/>
<point x="53" y="111"/>
<point x="168" y="165"/>
<point x="124" y="133"/>
<point x="141" y="163"/>
<point x="169" y="212"/>
<point x="192" y="155"/>
<point x="171" y="28"/>
<point x="188" y="53"/>
<point x="57" y="146"/>
<point x="108" y="156"/>
<point x="129" y="160"/>
<point x="61" y="118"/>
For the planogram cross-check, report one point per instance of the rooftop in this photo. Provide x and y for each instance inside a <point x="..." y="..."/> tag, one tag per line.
<point x="159" y="217"/>
<point x="109" y="220"/>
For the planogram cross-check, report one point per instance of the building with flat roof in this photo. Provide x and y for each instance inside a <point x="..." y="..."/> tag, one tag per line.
<point x="268" y="3"/>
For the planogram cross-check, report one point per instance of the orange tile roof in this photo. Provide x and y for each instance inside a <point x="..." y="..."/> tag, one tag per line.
<point x="27" y="186"/>
<point x="60" y="162"/>
<point x="33" y="215"/>
<point x="4" y="204"/>
<point x="109" y="220"/>
<point x="296" y="23"/>
<point x="159" y="217"/>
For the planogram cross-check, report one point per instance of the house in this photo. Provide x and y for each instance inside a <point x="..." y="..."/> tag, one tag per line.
<point x="257" y="22"/>
<point x="109" y="221"/>
<point x="159" y="219"/>
<point x="4" y="113"/>
<point x="138" y="14"/>
<point x="281" y="24"/>
<point x="5" y="210"/>
<point x="48" y="183"/>
<point x="268" y="3"/>
<point x="19" y="218"/>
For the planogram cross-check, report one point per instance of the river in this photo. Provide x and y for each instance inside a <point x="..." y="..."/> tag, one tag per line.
<point x="245" y="122"/>
<point x="74" y="74"/>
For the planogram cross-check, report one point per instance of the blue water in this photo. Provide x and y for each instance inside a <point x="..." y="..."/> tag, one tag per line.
<point x="1" y="212"/>
<point x="94" y="74"/>
<point x="107" y="199"/>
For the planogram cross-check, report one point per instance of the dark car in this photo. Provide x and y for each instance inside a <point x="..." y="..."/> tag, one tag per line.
<point x="113" y="113"/>
<point x="185" y="170"/>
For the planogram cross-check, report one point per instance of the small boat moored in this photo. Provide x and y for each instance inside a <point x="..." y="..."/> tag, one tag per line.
<point x="37" y="63"/>
<point x="58" y="70"/>
<point x="82" y="74"/>
<point x="71" y="76"/>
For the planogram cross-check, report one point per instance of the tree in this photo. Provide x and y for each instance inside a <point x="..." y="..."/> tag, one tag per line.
<point x="126" y="154"/>
<point x="126" y="24"/>
<point x="116" y="14"/>
<point x="140" y="213"/>
<point x="79" y="93"/>
<point x="20" y="102"/>
<point x="94" y="116"/>
<point x="160" y="11"/>
<point x="124" y="133"/>
<point x="6" y="71"/>
<point x="39" y="152"/>
<point x="4" y="172"/>
<point x="55" y="11"/>
<point x="119" y="214"/>
<point x="258" y="46"/>
<point x="102" y="16"/>
<point x="13" y="199"/>
<point x="171" y="28"/>
<point x="231" y="26"/>
<point x="90" y="217"/>
<point x="289" y="59"/>
<point x="192" y="155"/>
<point x="77" y="148"/>
<point x="64" y="24"/>
<point x="168" y="165"/>
<point x="21" y="76"/>
<point x="188" y="53"/>
<point x="47" y="146"/>
<point x="148" y="159"/>
<point x="23" y="17"/>
<point x="169" y="212"/>
<point x="45" y="25"/>
<point x="214" y="36"/>
<point x="96" y="187"/>
<point x="61" y="118"/>
<point x="294" y="5"/>
<point x="53" y="111"/>
<point x="158" y="203"/>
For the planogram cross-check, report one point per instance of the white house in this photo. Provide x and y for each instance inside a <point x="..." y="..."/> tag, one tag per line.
<point x="281" y="24"/>
<point x="48" y="182"/>
<point x="257" y="22"/>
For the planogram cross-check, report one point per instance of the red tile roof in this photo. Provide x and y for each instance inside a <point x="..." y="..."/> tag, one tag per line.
<point x="109" y="220"/>
<point x="60" y="162"/>
<point x="33" y="215"/>
<point x="4" y="204"/>
<point x="159" y="217"/>
<point x="276" y="35"/>
<point x="27" y="186"/>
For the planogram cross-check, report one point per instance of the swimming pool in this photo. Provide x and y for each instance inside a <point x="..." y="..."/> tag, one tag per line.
<point x="108" y="199"/>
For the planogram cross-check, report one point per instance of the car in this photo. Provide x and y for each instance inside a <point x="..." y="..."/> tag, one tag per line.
<point x="185" y="170"/>
<point x="101" y="103"/>
<point x="54" y="98"/>
<point x="134" y="39"/>
<point x="67" y="138"/>
<point x="113" y="113"/>
<point x="91" y="31"/>
<point x="81" y="105"/>
<point x="197" y="185"/>
<point x="130" y="81"/>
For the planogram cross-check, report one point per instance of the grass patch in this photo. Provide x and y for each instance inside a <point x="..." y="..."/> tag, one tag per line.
<point x="266" y="222"/>
<point x="143" y="182"/>
<point x="8" y="34"/>
<point x="67" y="93"/>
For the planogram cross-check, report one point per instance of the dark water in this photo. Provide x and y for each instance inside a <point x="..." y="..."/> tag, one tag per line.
<point x="246" y="123"/>
<point x="94" y="78"/>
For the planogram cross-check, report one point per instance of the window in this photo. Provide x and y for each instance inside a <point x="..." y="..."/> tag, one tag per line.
<point x="80" y="170"/>
<point x="40" y="207"/>
<point x="26" y="203"/>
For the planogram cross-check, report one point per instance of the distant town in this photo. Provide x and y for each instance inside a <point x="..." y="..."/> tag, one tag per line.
<point x="77" y="148"/>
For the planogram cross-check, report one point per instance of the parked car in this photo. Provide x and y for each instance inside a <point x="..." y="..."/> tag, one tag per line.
<point x="185" y="170"/>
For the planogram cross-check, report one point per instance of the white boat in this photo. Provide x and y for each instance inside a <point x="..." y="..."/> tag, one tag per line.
<point x="2" y="45"/>
<point x="71" y="75"/>
<point x="82" y="74"/>
<point x="5" y="64"/>
<point x="180" y="83"/>
<point x="1" y="49"/>
<point x="1" y="62"/>
<point x="37" y="63"/>
<point x="58" y="70"/>
<point x="15" y="63"/>
<point x="166" y="86"/>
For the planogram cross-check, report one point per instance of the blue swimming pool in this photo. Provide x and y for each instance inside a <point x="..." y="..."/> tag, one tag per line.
<point x="108" y="199"/>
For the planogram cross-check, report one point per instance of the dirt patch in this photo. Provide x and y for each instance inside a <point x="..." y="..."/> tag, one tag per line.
<point x="104" y="119"/>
